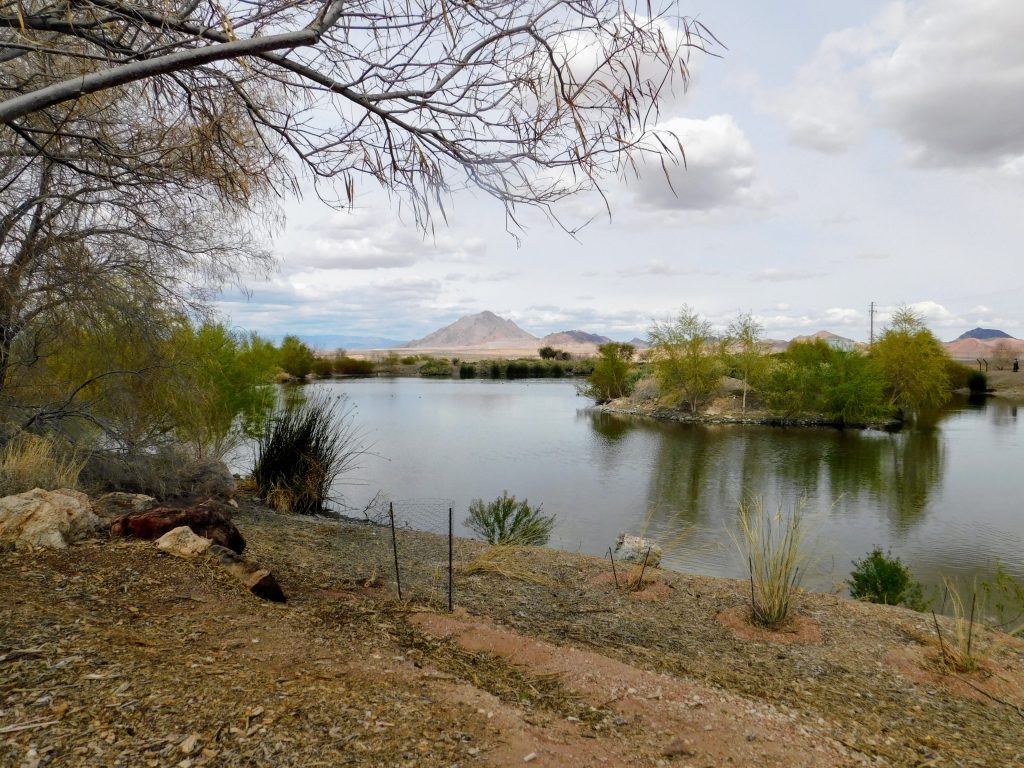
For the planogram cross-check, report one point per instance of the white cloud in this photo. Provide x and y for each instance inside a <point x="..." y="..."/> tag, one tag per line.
<point x="719" y="171"/>
<point x="775" y="275"/>
<point x="368" y="239"/>
<point x="660" y="268"/>
<point x="946" y="76"/>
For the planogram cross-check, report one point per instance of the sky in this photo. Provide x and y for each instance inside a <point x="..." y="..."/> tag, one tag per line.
<point x="838" y="154"/>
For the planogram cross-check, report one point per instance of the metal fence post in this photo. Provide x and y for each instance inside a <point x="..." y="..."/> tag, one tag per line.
<point x="450" y="580"/>
<point x="394" y="545"/>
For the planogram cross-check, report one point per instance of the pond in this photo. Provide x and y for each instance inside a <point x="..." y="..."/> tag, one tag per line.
<point x="946" y="500"/>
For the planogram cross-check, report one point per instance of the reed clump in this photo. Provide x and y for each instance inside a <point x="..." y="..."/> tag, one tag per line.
<point x="773" y="544"/>
<point x="31" y="461"/>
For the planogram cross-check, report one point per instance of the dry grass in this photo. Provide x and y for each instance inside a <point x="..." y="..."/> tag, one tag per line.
<point x="962" y="653"/>
<point x="30" y="461"/>
<point x="506" y="561"/>
<point x="773" y="545"/>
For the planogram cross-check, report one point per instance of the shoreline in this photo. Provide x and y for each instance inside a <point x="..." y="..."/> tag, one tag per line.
<point x="759" y="418"/>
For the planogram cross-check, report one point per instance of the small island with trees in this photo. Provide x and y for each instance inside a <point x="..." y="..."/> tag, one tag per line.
<point x="690" y="373"/>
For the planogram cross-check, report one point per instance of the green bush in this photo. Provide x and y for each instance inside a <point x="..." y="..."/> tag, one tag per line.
<point x="610" y="378"/>
<point x="509" y="521"/>
<point x="410" y="360"/>
<point x="882" y="578"/>
<point x="302" y="451"/>
<point x="436" y="367"/>
<point x="977" y="382"/>
<point x="467" y="371"/>
<point x="323" y="368"/>
<point x="348" y="366"/>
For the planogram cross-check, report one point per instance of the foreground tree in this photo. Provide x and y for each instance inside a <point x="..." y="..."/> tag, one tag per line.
<point x="421" y="97"/>
<point x="145" y="147"/>
<point x="687" y="358"/>
<point x="913" y="364"/>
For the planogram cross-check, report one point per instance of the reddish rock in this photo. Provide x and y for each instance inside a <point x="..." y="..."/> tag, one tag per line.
<point x="204" y="519"/>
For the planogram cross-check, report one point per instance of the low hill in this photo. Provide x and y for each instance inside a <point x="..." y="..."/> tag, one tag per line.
<point x="475" y="330"/>
<point x="983" y="334"/>
<point x="832" y="339"/>
<point x="564" y="338"/>
<point x="985" y="349"/>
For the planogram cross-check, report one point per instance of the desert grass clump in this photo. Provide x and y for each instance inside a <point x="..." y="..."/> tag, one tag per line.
<point x="302" y="452"/>
<point x="773" y="545"/>
<point x="30" y="461"/>
<point x="511" y="522"/>
<point x="961" y="652"/>
<point x="506" y="561"/>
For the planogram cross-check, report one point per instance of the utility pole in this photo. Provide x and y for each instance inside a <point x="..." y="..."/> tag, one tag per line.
<point x="871" y="313"/>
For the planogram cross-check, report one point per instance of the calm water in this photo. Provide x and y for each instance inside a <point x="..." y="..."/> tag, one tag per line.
<point x="946" y="500"/>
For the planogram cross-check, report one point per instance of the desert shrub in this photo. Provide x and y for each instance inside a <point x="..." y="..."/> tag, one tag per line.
<point x="773" y="545"/>
<point x="165" y="472"/>
<point x="1004" y="598"/>
<point x="882" y="578"/>
<point x="348" y="366"/>
<point x="323" y="368"/>
<point x="410" y="360"/>
<point x="467" y="371"/>
<point x="548" y="353"/>
<point x="303" y="451"/>
<point x="977" y="382"/>
<point x="508" y="521"/>
<point x="31" y="461"/>
<point x="438" y="366"/>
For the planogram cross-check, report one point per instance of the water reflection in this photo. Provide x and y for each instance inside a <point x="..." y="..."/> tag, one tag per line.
<point x="700" y="470"/>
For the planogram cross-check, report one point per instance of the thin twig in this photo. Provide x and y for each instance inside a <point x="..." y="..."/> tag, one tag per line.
<point x="614" y="572"/>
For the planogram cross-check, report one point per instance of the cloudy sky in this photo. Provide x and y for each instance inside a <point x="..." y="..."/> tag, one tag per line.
<point x="838" y="154"/>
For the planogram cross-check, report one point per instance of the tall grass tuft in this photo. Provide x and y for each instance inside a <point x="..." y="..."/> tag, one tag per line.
<point x="510" y="522"/>
<point x="961" y="652"/>
<point x="773" y="545"/>
<point x="303" y="451"/>
<point x="31" y="461"/>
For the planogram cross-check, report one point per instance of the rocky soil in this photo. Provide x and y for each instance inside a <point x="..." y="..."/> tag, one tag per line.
<point x="113" y="653"/>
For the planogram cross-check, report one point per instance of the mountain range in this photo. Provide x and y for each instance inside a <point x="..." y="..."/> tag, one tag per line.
<point x="487" y="331"/>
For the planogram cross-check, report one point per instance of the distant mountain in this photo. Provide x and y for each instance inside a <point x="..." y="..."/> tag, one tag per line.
<point x="983" y="333"/>
<point x="483" y="328"/>
<point x="639" y="343"/>
<point x="974" y="349"/>
<point x="329" y="342"/>
<point x="832" y="339"/>
<point x="565" y="338"/>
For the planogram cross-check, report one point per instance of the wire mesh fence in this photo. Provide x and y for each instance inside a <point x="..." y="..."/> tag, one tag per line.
<point x="419" y="548"/>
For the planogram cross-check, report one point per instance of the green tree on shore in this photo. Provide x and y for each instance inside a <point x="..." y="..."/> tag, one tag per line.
<point x="687" y="358"/>
<point x="913" y="364"/>
<point x="610" y="377"/>
<point x="747" y="350"/>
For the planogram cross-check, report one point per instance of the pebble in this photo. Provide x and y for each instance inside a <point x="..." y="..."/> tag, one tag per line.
<point x="530" y="757"/>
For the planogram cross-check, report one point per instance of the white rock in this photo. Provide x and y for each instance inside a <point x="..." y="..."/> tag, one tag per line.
<point x="182" y="542"/>
<point x="51" y="519"/>
<point x="633" y="549"/>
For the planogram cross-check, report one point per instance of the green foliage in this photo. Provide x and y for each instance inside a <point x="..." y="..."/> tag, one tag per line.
<point x="301" y="453"/>
<point x="1004" y="598"/>
<point x="410" y="360"/>
<point x="508" y="521"/>
<point x="349" y="366"/>
<point x="610" y="378"/>
<point x="295" y="358"/>
<point x="437" y="366"/>
<point x="977" y="382"/>
<point x="747" y="352"/>
<point x="882" y="578"/>
<point x="687" y="358"/>
<point x="913" y="364"/>
<point x="814" y="378"/>
<point x="548" y="353"/>
<point x="467" y="370"/>
<point x="323" y="368"/>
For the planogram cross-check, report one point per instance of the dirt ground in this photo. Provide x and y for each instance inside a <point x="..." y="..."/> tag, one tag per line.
<point x="112" y="653"/>
<point x="1007" y="384"/>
